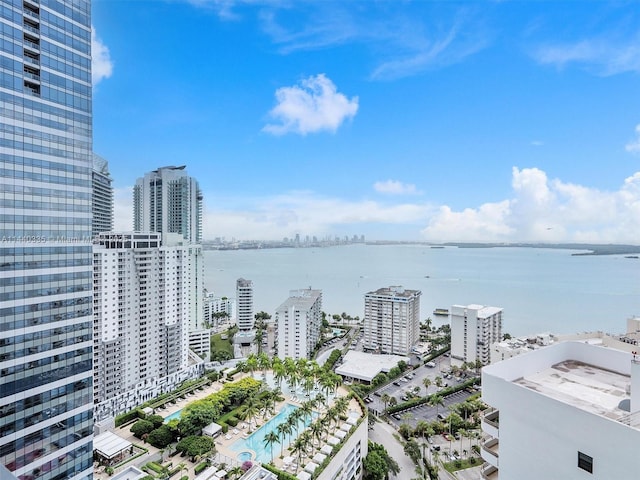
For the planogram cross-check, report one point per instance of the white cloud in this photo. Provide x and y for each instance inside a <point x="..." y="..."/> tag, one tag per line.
<point x="309" y="213"/>
<point x="538" y="210"/>
<point x="395" y="187"/>
<point x="101" y="63"/>
<point x="543" y="210"/>
<point x="634" y="145"/>
<point x="604" y="56"/>
<point x="313" y="106"/>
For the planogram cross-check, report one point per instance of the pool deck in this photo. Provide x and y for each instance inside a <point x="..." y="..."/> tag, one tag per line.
<point x="223" y="442"/>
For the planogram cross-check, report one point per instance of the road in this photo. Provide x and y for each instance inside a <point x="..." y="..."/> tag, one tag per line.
<point x="383" y="434"/>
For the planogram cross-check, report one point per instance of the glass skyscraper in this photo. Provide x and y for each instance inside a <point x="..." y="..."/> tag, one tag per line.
<point x="45" y="246"/>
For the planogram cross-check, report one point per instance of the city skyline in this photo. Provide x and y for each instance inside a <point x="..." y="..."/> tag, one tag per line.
<point x="495" y="121"/>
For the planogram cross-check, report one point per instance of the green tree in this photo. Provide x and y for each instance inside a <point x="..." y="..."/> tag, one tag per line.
<point x="378" y="464"/>
<point x="405" y="430"/>
<point x="269" y="439"/>
<point x="157" y="420"/>
<point x="194" y="446"/>
<point x="427" y="383"/>
<point x="161" y="437"/>
<point x="385" y="399"/>
<point x="375" y="468"/>
<point x="141" y="428"/>
<point x="197" y="416"/>
<point x="412" y="449"/>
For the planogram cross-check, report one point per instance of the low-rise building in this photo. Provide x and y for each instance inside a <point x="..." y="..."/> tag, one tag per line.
<point x="364" y="367"/>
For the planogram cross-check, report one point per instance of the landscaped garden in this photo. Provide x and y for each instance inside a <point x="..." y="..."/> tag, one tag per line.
<point x="294" y="401"/>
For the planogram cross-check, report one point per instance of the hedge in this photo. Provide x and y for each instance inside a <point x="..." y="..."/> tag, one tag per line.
<point x="279" y="473"/>
<point x="129" y="416"/>
<point x="437" y="353"/>
<point x="156" y="467"/>
<point x="201" y="467"/>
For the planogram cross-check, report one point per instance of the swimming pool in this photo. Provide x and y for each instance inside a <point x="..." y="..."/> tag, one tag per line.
<point x="255" y="441"/>
<point x="177" y="415"/>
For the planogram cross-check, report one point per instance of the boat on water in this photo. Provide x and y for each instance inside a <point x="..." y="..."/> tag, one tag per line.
<point x="441" y="311"/>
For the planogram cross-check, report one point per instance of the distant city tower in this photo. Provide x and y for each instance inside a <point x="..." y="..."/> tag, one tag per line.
<point x="167" y="200"/>
<point x="101" y="197"/>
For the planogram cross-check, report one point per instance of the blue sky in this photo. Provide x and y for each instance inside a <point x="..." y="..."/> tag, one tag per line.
<point x="406" y="120"/>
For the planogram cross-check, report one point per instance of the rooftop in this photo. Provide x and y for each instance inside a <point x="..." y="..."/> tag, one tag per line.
<point x="365" y="366"/>
<point x="582" y="385"/>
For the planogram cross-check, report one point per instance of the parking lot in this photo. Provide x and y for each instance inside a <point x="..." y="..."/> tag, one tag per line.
<point x="427" y="412"/>
<point x="403" y="387"/>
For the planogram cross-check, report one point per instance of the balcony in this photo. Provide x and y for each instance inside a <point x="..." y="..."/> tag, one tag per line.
<point x="32" y="28"/>
<point x="31" y="13"/>
<point x="490" y="450"/>
<point x="489" y="472"/>
<point x="31" y="45"/>
<point x="490" y="422"/>
<point x="33" y="61"/>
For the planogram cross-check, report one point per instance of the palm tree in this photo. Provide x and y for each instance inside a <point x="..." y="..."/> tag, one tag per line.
<point x="438" y="382"/>
<point x="306" y="409"/>
<point x="295" y="417"/>
<point x="299" y="447"/>
<point x="282" y="430"/>
<point x="385" y="399"/>
<point x="279" y="371"/>
<point x="269" y="439"/>
<point x="436" y="401"/>
<point x="421" y="428"/>
<point x="317" y="429"/>
<point x="252" y="409"/>
<point x="427" y="383"/>
<point x="252" y="363"/>
<point x="264" y="363"/>
<point x="235" y="472"/>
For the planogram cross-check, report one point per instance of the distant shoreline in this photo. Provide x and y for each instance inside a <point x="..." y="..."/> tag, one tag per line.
<point x="593" y="249"/>
<point x="632" y="251"/>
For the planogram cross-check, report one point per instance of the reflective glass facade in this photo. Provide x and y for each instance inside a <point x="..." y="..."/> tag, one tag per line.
<point x="45" y="231"/>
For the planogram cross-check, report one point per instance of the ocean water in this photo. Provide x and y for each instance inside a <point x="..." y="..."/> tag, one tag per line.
<point x="540" y="289"/>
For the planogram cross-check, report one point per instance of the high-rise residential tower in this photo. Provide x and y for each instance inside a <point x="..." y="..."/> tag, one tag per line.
<point x="167" y="200"/>
<point x="474" y="328"/>
<point x="101" y="197"/>
<point x="244" y="299"/>
<point x="391" y="320"/>
<point x="298" y="321"/>
<point x="141" y="312"/>
<point x="46" y="292"/>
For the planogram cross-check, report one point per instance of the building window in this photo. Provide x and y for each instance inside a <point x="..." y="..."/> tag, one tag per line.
<point x="585" y="462"/>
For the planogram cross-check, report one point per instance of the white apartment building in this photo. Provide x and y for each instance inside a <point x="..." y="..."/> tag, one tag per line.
<point x="142" y="298"/>
<point x="568" y="411"/>
<point x="473" y="329"/>
<point x="213" y="307"/>
<point x="391" y="320"/>
<point x="298" y="322"/>
<point x="244" y="298"/>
